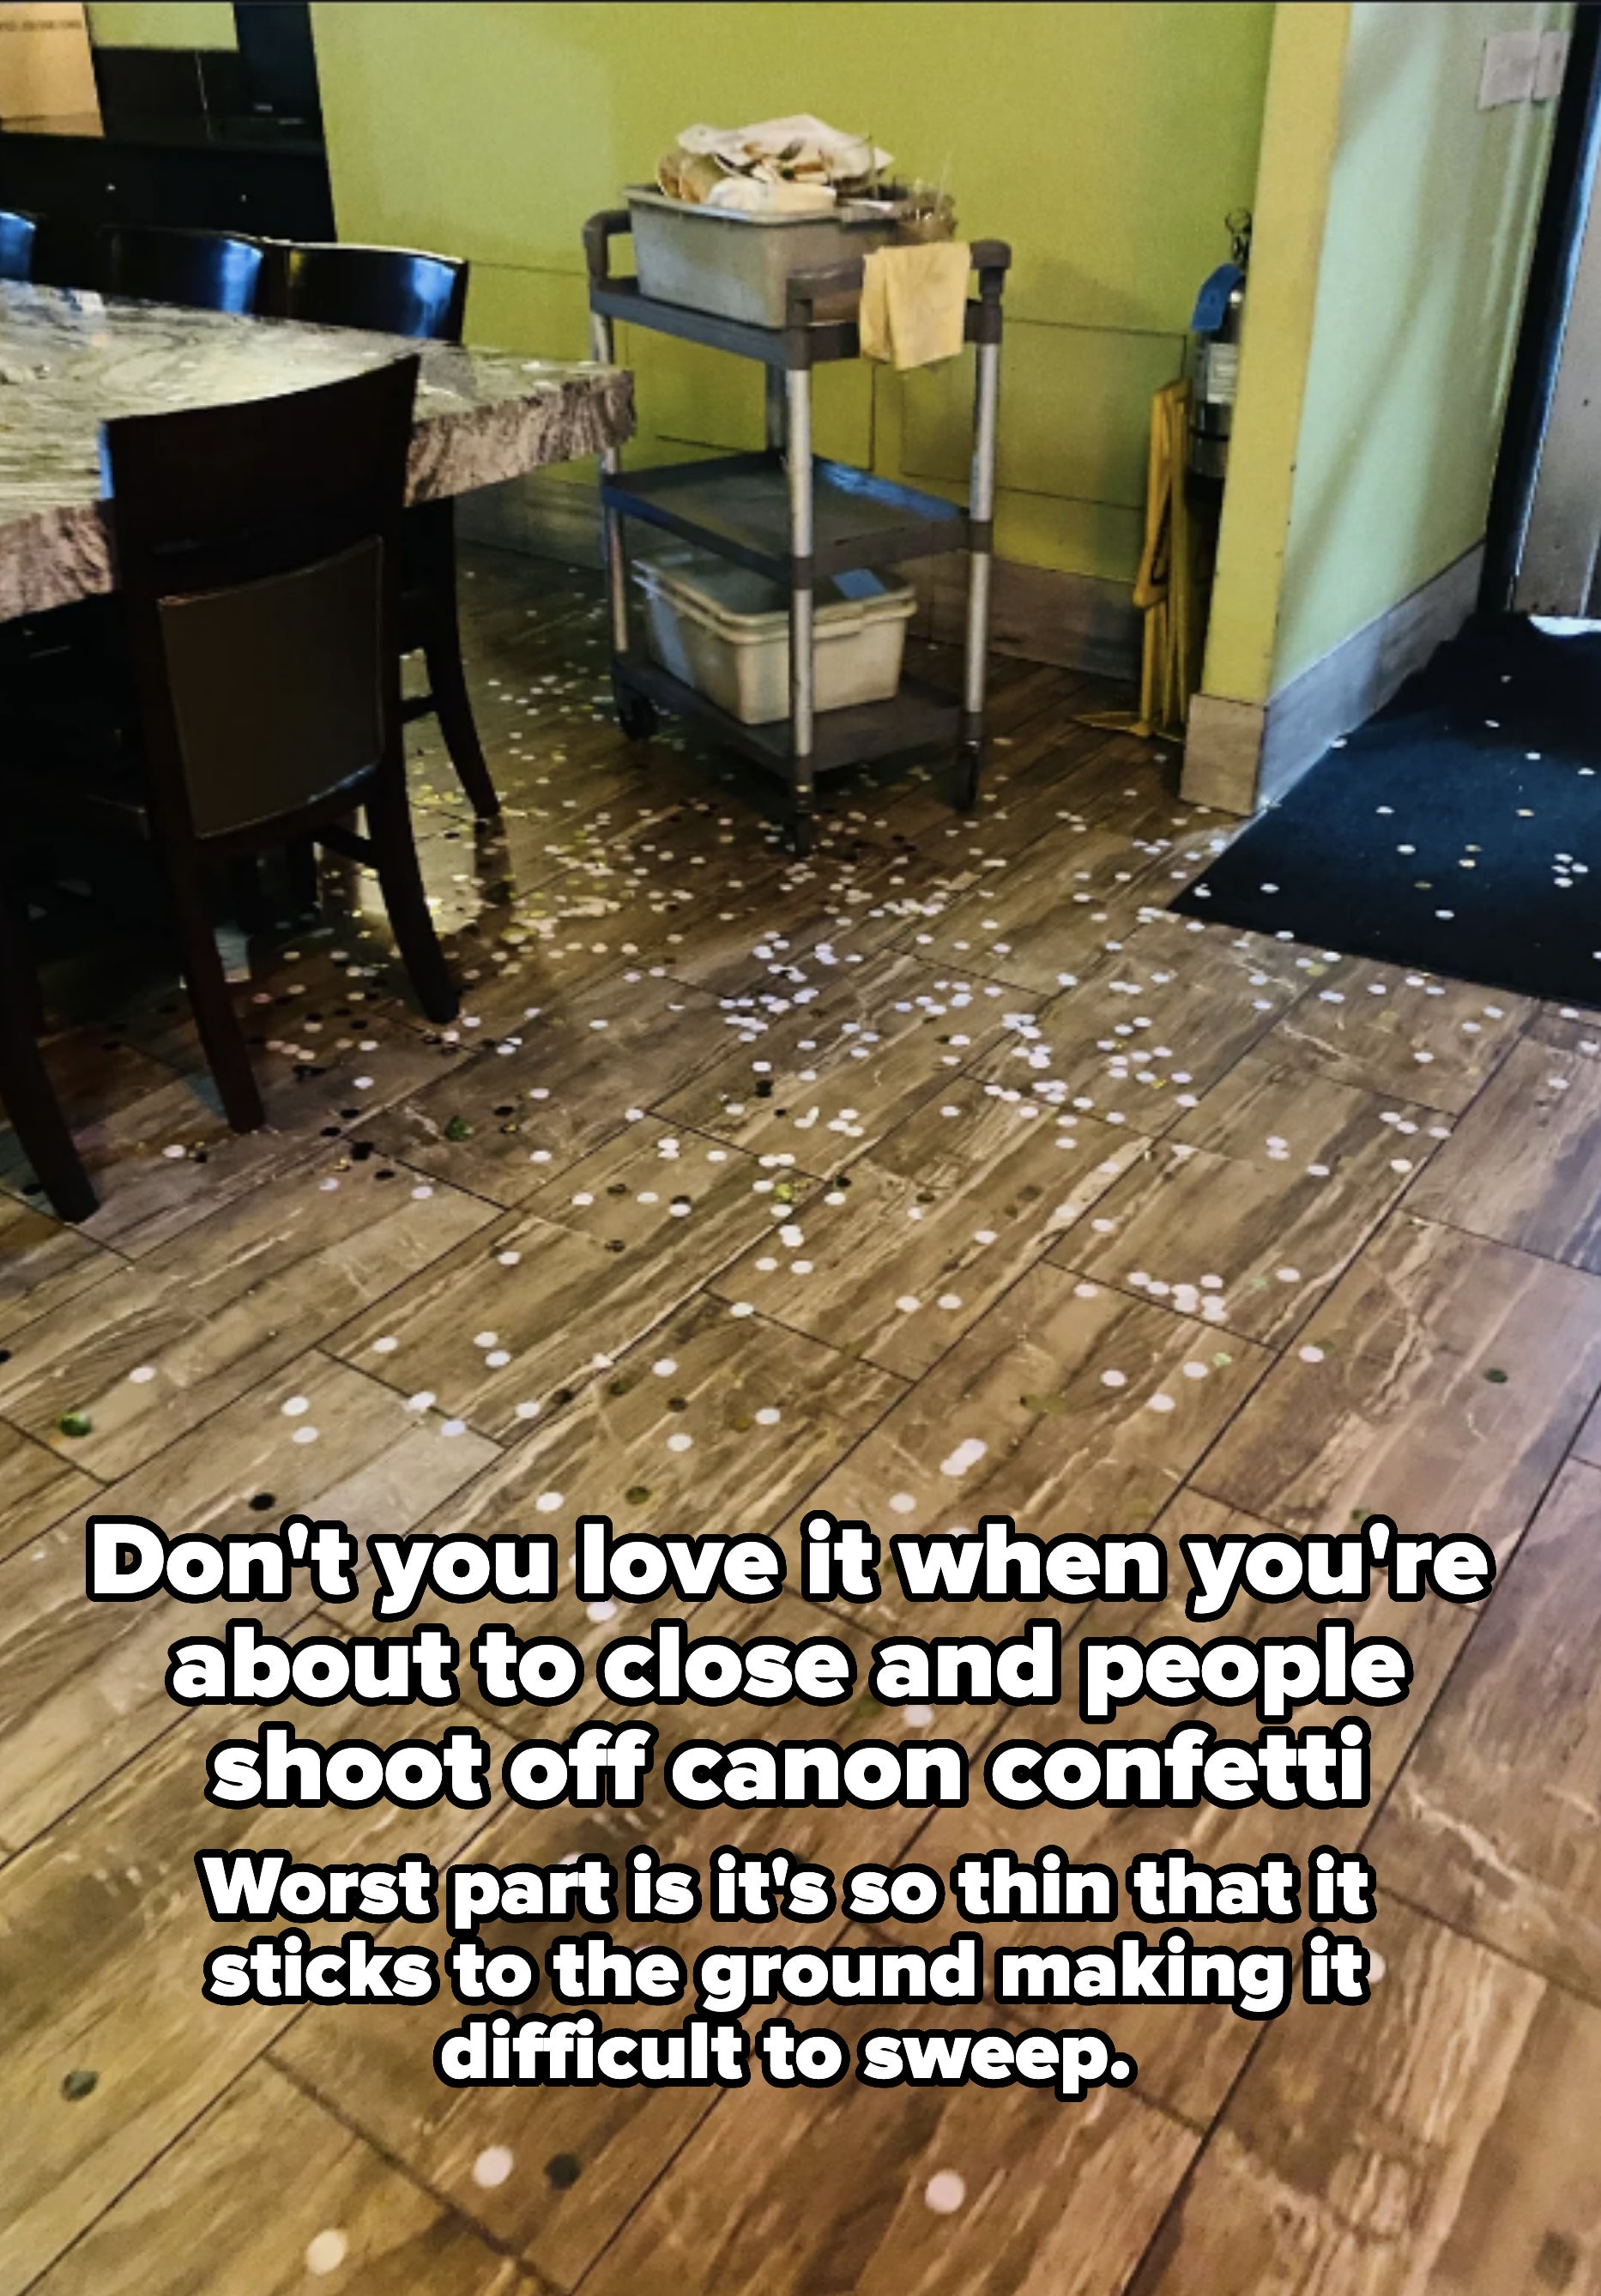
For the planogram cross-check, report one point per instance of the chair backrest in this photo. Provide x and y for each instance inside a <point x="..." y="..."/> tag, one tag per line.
<point x="17" y="235"/>
<point x="394" y="291"/>
<point x="201" y="270"/>
<point x="257" y="552"/>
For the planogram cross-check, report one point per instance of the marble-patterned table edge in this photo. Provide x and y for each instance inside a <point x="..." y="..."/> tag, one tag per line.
<point x="483" y="415"/>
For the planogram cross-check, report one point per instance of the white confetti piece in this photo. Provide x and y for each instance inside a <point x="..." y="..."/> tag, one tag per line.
<point x="326" y="2252"/>
<point x="945" y="2192"/>
<point x="493" y="2166"/>
<point x="967" y="1454"/>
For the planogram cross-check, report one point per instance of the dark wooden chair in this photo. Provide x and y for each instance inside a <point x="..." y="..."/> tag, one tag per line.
<point x="25" y="1086"/>
<point x="391" y="290"/>
<point x="396" y="290"/>
<point x="257" y="552"/>
<point x="18" y="233"/>
<point x="201" y="270"/>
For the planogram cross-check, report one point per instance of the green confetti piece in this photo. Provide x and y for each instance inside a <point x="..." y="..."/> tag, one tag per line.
<point x="458" y="1128"/>
<point x="75" y="1423"/>
<point x="79" y="2083"/>
<point x="1496" y="1376"/>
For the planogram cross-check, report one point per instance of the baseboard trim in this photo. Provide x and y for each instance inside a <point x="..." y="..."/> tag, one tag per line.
<point x="1240" y="756"/>
<point x="1073" y="621"/>
<point x="541" y="515"/>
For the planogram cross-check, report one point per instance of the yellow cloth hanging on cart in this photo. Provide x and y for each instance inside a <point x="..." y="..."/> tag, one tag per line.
<point x="1164" y="590"/>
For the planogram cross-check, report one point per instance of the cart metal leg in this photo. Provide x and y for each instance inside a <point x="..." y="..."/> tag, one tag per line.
<point x="802" y="665"/>
<point x="773" y="404"/>
<point x="981" y="512"/>
<point x="635" y="713"/>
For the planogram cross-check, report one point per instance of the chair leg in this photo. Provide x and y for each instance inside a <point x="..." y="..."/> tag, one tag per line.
<point x="442" y="653"/>
<point x="26" y="1087"/>
<point x="395" y="857"/>
<point x="220" y="1034"/>
<point x="302" y="862"/>
<point x="245" y="895"/>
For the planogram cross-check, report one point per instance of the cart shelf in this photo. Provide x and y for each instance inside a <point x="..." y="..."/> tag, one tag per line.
<point x="739" y="507"/>
<point x="919" y="716"/>
<point x="826" y="339"/>
<point x="798" y="519"/>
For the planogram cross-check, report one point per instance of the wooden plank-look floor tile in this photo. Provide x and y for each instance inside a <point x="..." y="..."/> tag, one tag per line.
<point x="1438" y="1384"/>
<point x="332" y="1023"/>
<point x="1440" y="2138"/>
<point x="40" y="1254"/>
<point x="711" y="1425"/>
<point x="921" y="1236"/>
<point x="194" y="2223"/>
<point x="602" y="1256"/>
<point x="169" y="1339"/>
<point x="1070" y="1406"/>
<point x="605" y="2144"/>
<point x="1427" y="1040"/>
<point x="780" y="929"/>
<point x="168" y="1160"/>
<point x="1189" y="2055"/>
<point x="1005" y="2192"/>
<point x="1052" y="910"/>
<point x="1492" y="1825"/>
<point x="102" y="1936"/>
<point x="1525" y="1163"/>
<point x="1258" y="1200"/>
<point x="36" y="1488"/>
<point x="619" y="1043"/>
<point x="1149" y="1027"/>
<point x="819" y="1085"/>
<point x="81" y="1683"/>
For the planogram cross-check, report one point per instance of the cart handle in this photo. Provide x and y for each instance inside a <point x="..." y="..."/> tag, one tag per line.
<point x="599" y="232"/>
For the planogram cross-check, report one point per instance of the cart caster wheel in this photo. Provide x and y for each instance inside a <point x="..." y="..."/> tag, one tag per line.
<point x="800" y="835"/>
<point x="636" y="715"/>
<point x="970" y="765"/>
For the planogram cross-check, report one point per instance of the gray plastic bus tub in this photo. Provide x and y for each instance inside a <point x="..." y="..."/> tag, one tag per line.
<point x="737" y="267"/>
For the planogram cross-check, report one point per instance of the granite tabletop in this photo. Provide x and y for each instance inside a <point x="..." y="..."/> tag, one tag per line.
<point x="70" y="360"/>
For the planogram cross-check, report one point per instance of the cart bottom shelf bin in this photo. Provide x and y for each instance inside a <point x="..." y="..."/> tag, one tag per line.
<point x="726" y="631"/>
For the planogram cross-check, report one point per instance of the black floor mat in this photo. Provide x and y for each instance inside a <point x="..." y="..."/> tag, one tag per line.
<point x="1459" y="830"/>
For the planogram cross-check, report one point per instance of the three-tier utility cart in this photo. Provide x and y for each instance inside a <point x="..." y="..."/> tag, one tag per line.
<point x="798" y="518"/>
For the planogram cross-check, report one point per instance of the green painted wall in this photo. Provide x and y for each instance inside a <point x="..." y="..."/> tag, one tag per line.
<point x="162" y="24"/>
<point x="1431" y="207"/>
<point x="1105" y="142"/>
